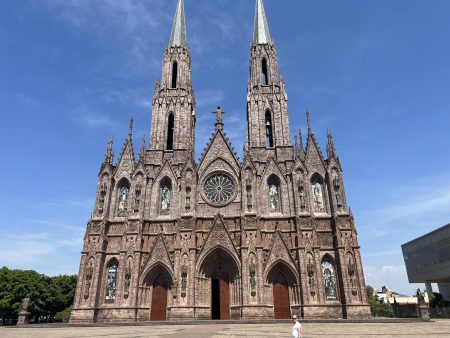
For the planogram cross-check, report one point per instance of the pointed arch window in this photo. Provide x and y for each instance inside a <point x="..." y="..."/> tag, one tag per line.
<point x="170" y="130"/>
<point x="269" y="129"/>
<point x="174" y="75"/>
<point x="166" y="196"/>
<point x="111" y="281"/>
<point x="264" y="73"/>
<point x="274" y="193"/>
<point x="317" y="193"/>
<point x="124" y="192"/>
<point x="329" y="279"/>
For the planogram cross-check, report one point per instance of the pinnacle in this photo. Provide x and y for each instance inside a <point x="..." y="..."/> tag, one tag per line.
<point x="261" y="33"/>
<point x="109" y="155"/>
<point x="178" y="37"/>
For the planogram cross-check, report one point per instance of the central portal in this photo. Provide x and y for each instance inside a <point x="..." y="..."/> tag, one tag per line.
<point x="218" y="285"/>
<point x="220" y="297"/>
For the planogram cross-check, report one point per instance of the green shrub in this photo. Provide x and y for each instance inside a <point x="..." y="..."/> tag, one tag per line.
<point x="64" y="315"/>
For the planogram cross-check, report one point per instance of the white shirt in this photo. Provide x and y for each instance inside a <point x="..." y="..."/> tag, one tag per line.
<point x="295" y="329"/>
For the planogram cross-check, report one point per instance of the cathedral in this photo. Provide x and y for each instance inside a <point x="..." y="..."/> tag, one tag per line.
<point x="264" y="237"/>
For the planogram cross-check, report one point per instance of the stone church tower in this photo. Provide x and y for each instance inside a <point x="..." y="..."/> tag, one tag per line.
<point x="266" y="237"/>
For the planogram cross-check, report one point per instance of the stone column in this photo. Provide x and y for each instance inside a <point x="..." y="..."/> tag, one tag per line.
<point x="429" y="289"/>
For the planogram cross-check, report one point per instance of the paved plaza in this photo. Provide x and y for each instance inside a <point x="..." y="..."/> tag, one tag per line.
<point x="438" y="328"/>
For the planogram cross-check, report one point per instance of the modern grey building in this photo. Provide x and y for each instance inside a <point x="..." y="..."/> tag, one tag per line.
<point x="427" y="260"/>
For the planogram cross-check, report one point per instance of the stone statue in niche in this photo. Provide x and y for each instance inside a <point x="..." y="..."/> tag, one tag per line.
<point x="183" y="281"/>
<point x="101" y="198"/>
<point x="249" y="198"/>
<point x="166" y="198"/>
<point x="174" y="288"/>
<point x="137" y="198"/>
<point x="127" y="282"/>
<point x="123" y="200"/>
<point x="88" y="280"/>
<point x="311" y="276"/>
<point x="274" y="199"/>
<point x="337" y="189"/>
<point x="319" y="205"/>
<point x="188" y="198"/>
<point x="301" y="195"/>
<point x="339" y="200"/>
<point x="352" y="274"/>
<point x="252" y="273"/>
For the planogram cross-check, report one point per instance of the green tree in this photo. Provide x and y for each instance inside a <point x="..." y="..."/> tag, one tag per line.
<point x="377" y="308"/>
<point x="47" y="295"/>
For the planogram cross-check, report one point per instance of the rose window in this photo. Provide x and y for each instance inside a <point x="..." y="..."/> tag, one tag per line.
<point x="219" y="189"/>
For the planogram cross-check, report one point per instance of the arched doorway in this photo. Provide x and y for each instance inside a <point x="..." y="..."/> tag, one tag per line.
<point x="155" y="292"/>
<point x="219" y="283"/>
<point x="220" y="295"/>
<point x="282" y="280"/>
<point x="281" y="303"/>
<point x="159" y="299"/>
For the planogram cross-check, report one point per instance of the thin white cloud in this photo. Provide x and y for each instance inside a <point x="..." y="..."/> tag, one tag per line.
<point x="391" y="276"/>
<point x="90" y="118"/>
<point x="34" y="249"/>
<point x="130" y="26"/>
<point x="209" y="98"/>
<point x="418" y="205"/>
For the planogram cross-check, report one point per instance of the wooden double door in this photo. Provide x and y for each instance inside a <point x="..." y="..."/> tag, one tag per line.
<point x="220" y="296"/>
<point x="281" y="304"/>
<point x="159" y="299"/>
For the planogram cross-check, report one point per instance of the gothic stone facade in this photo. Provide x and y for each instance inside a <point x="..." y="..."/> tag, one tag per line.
<point x="266" y="237"/>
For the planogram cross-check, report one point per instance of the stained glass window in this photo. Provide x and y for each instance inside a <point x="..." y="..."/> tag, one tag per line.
<point x="111" y="281"/>
<point x="329" y="279"/>
<point x="124" y="192"/>
<point x="166" y="196"/>
<point x="317" y="190"/>
<point x="274" y="193"/>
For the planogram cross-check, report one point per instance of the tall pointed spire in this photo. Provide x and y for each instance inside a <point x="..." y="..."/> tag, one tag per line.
<point x="178" y="37"/>
<point x="261" y="33"/>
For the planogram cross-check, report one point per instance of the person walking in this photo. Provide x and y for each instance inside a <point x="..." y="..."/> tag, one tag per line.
<point x="297" y="328"/>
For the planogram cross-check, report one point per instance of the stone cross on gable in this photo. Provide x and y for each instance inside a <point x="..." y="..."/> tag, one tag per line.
<point x="219" y="112"/>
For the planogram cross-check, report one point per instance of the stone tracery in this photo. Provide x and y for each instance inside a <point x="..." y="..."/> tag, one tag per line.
<point x="257" y="227"/>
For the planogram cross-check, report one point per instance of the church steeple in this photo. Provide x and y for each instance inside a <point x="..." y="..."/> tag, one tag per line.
<point x="173" y="113"/>
<point x="178" y="37"/>
<point x="261" y="34"/>
<point x="267" y="115"/>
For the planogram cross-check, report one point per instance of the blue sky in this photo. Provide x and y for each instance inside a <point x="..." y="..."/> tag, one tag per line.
<point x="72" y="72"/>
